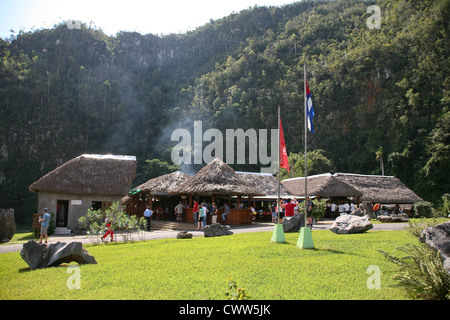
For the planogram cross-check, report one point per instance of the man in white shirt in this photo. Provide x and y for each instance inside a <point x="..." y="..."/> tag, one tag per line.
<point x="148" y="216"/>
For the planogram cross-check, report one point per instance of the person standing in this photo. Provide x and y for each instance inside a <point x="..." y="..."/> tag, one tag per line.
<point x="205" y="214"/>
<point x="309" y="205"/>
<point x="214" y="213"/>
<point x="45" y="223"/>
<point x="148" y="217"/>
<point x="289" y="208"/>
<point x="195" y="212"/>
<point x="179" y="210"/>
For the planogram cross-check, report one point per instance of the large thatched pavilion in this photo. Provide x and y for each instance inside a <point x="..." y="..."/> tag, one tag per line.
<point x="380" y="189"/>
<point x="155" y="193"/>
<point x="322" y="185"/>
<point x="88" y="181"/>
<point x="366" y="189"/>
<point x="218" y="182"/>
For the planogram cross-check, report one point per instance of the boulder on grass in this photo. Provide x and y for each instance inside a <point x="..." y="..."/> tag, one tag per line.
<point x="7" y="225"/>
<point x="293" y="224"/>
<point x="216" y="230"/>
<point x="348" y="223"/>
<point x="184" y="235"/>
<point x="438" y="238"/>
<point x="39" y="255"/>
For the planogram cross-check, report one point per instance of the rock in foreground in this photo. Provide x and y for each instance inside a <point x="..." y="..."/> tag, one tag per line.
<point x="39" y="255"/>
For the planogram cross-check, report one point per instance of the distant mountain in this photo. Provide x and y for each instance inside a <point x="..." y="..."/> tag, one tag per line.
<point x="67" y="91"/>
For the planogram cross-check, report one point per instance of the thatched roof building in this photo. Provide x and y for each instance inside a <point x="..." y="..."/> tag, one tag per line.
<point x="322" y="185"/>
<point x="90" y="174"/>
<point x="267" y="183"/>
<point x="162" y="185"/>
<point x="88" y="181"/>
<point x="217" y="178"/>
<point x="370" y="188"/>
<point x="380" y="189"/>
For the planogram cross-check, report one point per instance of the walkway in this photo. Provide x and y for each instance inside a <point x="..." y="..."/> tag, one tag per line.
<point x="165" y="230"/>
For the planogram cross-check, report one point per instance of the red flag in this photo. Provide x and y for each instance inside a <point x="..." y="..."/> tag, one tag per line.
<point x="284" y="163"/>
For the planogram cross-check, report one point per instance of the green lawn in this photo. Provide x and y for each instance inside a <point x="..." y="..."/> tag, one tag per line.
<point x="198" y="268"/>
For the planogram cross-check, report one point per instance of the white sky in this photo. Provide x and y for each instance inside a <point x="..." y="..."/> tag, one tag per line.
<point x="161" y="16"/>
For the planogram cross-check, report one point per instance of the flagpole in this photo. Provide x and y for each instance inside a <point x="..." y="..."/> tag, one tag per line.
<point x="278" y="232"/>
<point x="305" y="240"/>
<point x="306" y="144"/>
<point x="279" y="178"/>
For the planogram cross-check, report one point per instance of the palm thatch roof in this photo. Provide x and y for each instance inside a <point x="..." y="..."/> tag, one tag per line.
<point x="217" y="178"/>
<point x="266" y="182"/>
<point x="90" y="174"/>
<point x="381" y="189"/>
<point x="163" y="184"/>
<point x="322" y="185"/>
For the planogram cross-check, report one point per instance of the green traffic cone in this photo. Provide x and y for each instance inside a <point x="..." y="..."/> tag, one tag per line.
<point x="305" y="240"/>
<point x="278" y="233"/>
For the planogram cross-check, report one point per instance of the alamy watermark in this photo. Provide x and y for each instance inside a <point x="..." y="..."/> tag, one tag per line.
<point x="374" y="281"/>
<point x="73" y="24"/>
<point x="190" y="149"/>
<point x="374" y="21"/>
<point x="74" y="281"/>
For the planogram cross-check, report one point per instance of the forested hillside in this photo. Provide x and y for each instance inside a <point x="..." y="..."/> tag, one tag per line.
<point x="68" y="91"/>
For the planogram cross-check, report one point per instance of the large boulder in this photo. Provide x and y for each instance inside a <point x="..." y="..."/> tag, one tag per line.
<point x="293" y="224"/>
<point x="7" y="225"/>
<point x="348" y="223"/>
<point x="216" y="230"/>
<point x="438" y="238"/>
<point x="39" y="255"/>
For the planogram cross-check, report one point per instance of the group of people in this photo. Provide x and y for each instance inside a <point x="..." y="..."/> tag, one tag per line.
<point x="342" y="208"/>
<point x="290" y="207"/>
<point x="202" y="210"/>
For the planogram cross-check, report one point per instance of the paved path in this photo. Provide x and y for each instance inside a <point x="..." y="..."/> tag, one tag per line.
<point x="165" y="234"/>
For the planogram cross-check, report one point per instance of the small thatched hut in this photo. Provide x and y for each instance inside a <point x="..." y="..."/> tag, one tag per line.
<point x="88" y="181"/>
<point x="217" y="179"/>
<point x="141" y="196"/>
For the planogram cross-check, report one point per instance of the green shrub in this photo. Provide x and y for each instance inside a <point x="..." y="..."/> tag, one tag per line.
<point x="424" y="209"/>
<point x="421" y="272"/>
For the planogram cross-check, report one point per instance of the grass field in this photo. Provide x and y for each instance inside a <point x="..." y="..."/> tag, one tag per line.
<point x="198" y="268"/>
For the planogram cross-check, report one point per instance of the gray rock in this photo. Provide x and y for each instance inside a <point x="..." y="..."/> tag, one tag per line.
<point x="393" y="218"/>
<point x="358" y="212"/>
<point x="39" y="255"/>
<point x="7" y="225"/>
<point x="184" y="235"/>
<point x="348" y="223"/>
<point x="438" y="238"/>
<point x="216" y="230"/>
<point x="293" y="224"/>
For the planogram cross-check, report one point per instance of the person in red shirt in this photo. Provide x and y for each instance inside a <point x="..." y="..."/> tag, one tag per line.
<point x="289" y="208"/>
<point x="195" y="211"/>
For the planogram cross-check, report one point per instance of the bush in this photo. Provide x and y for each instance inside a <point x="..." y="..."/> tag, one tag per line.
<point x="94" y="223"/>
<point x="424" y="209"/>
<point x="416" y="227"/>
<point x="422" y="272"/>
<point x="445" y="210"/>
<point x="318" y="209"/>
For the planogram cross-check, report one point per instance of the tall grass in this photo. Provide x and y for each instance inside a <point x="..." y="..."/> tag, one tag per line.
<point x="198" y="268"/>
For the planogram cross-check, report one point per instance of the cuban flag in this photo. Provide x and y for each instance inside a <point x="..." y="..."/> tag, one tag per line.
<point x="309" y="109"/>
